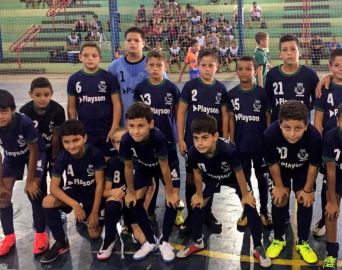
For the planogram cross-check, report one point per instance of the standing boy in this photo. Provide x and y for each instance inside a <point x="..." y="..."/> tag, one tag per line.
<point x="191" y="61"/>
<point x="261" y="57"/>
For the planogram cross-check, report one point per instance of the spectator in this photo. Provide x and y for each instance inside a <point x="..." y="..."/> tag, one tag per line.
<point x="174" y="51"/>
<point x="95" y="23"/>
<point x="95" y="35"/>
<point x="223" y="52"/>
<point x="188" y="11"/>
<point x="158" y="47"/>
<point x="317" y="47"/>
<point x="213" y="38"/>
<point x="196" y="18"/>
<point x="119" y="52"/>
<point x="334" y="44"/>
<point x="81" y="25"/>
<point x="141" y="15"/>
<point x="233" y="54"/>
<point x="73" y="42"/>
<point x="235" y="15"/>
<point x="255" y="14"/>
<point x="201" y="40"/>
<point x="157" y="13"/>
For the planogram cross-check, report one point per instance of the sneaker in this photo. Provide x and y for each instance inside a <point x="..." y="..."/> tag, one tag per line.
<point x="275" y="248"/>
<point x="6" y="244"/>
<point x="330" y="263"/>
<point x="319" y="229"/>
<point x="145" y="249"/>
<point x="105" y="251"/>
<point x="262" y="258"/>
<point x="166" y="251"/>
<point x="266" y="220"/>
<point x="307" y="253"/>
<point x="212" y="222"/>
<point x="185" y="228"/>
<point x="41" y="243"/>
<point x="189" y="250"/>
<point x="57" y="249"/>
<point x="242" y="222"/>
<point x="179" y="218"/>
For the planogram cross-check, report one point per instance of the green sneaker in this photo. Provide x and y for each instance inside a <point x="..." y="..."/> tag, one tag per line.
<point x="275" y="248"/>
<point x="307" y="253"/>
<point x="330" y="263"/>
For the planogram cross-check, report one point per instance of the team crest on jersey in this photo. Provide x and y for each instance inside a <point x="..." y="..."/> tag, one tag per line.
<point x="302" y="155"/>
<point x="102" y="87"/>
<point x="21" y="141"/>
<point x="168" y="99"/>
<point x="90" y="170"/>
<point x="299" y="89"/>
<point x="257" y="105"/>
<point x="225" y="166"/>
<point x="218" y="98"/>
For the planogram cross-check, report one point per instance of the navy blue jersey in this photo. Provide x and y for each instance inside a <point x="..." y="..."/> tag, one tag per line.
<point x="146" y="154"/>
<point x="294" y="159"/>
<point x="328" y="104"/>
<point x="332" y="147"/>
<point x="93" y="99"/>
<point x="219" y="167"/>
<point x="202" y="98"/>
<point x="15" y="137"/>
<point x="162" y="99"/>
<point x="281" y="87"/>
<point x="80" y="172"/>
<point x="115" y="172"/>
<point x="249" y="108"/>
<point x="53" y="117"/>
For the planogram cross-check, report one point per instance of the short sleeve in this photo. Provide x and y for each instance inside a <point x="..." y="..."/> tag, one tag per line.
<point x="30" y="133"/>
<point x="185" y="95"/>
<point x="125" y="151"/>
<point x="328" y="149"/>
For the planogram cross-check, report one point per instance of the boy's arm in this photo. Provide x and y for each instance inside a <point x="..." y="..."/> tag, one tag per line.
<point x="268" y="119"/>
<point x="171" y="196"/>
<point x="116" y="193"/>
<point x="318" y="120"/>
<point x="231" y="127"/>
<point x="259" y="72"/>
<point x="32" y="186"/>
<point x="182" y="110"/>
<point x="182" y="72"/>
<point x="247" y="197"/>
<point x="306" y="196"/>
<point x="280" y="193"/>
<point x="225" y="121"/>
<point x="93" y="219"/>
<point x="116" y="115"/>
<point x="59" y="194"/>
<point x="55" y="143"/>
<point x="71" y="107"/>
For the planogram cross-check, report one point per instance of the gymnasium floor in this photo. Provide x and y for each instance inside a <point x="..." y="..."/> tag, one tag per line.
<point x="229" y="250"/>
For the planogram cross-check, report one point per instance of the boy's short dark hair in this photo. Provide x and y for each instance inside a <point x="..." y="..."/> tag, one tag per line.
<point x="259" y="36"/>
<point x="339" y="110"/>
<point x="293" y="110"/>
<point x="334" y="54"/>
<point x="287" y="38"/>
<point x="155" y="54"/>
<point x="193" y="42"/>
<point x="247" y="58"/>
<point x="72" y="127"/>
<point x="139" y="110"/>
<point x="135" y="29"/>
<point x="207" y="53"/>
<point x="6" y="100"/>
<point x="92" y="45"/>
<point x="204" y="123"/>
<point x="40" y="82"/>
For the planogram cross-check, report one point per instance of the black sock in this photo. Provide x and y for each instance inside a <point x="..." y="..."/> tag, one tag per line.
<point x="332" y="249"/>
<point x="140" y="215"/>
<point x="279" y="218"/>
<point x="254" y="224"/>
<point x="38" y="213"/>
<point x="113" y="212"/>
<point x="169" y="220"/>
<point x="197" y="225"/>
<point x="152" y="207"/>
<point x="54" y="221"/>
<point x="304" y="217"/>
<point x="263" y="192"/>
<point x="209" y="205"/>
<point x="7" y="219"/>
<point x="190" y="190"/>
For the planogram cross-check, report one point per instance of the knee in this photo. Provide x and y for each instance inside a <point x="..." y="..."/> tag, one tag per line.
<point x="5" y="200"/>
<point x="49" y="202"/>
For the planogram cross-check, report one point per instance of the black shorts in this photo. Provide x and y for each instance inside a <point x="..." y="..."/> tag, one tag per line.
<point x="295" y="183"/>
<point x="255" y="18"/>
<point x="259" y="163"/>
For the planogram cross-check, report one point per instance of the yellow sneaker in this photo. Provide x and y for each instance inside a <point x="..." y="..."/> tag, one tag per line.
<point x="179" y="218"/>
<point x="307" y="253"/>
<point x="275" y="248"/>
<point x="242" y="222"/>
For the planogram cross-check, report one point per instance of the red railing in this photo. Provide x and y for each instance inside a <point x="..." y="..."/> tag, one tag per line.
<point x="29" y="35"/>
<point x="57" y="7"/>
<point x="306" y="29"/>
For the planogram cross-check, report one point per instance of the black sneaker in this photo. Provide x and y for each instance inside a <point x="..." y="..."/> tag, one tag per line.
<point x="56" y="250"/>
<point x="185" y="228"/>
<point x="212" y="222"/>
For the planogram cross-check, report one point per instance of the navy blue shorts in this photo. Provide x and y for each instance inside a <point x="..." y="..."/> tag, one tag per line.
<point x="100" y="142"/>
<point x="259" y="163"/>
<point x="210" y="187"/>
<point x="295" y="184"/>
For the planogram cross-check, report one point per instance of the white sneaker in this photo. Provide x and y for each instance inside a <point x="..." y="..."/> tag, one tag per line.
<point x="145" y="249"/>
<point x="104" y="254"/>
<point x="166" y="251"/>
<point x="319" y="229"/>
<point x="261" y="256"/>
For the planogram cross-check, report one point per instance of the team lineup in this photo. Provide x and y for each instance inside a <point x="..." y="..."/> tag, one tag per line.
<point x="126" y="125"/>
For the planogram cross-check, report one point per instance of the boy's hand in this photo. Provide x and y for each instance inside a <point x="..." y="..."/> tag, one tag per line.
<point x="182" y="147"/>
<point x="118" y="193"/>
<point x="332" y="211"/>
<point x="324" y="82"/>
<point x="110" y="135"/>
<point x="280" y="195"/>
<point x="79" y="212"/>
<point x="172" y="198"/>
<point x="32" y="189"/>
<point x="197" y="201"/>
<point x="131" y="199"/>
<point x="93" y="220"/>
<point x="307" y="199"/>
<point x="249" y="199"/>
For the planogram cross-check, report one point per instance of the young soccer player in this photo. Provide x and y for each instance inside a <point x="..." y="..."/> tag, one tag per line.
<point x="191" y="61"/>
<point x="22" y="146"/>
<point x="174" y="51"/>
<point x="94" y="100"/>
<point x="332" y="147"/>
<point x="204" y="95"/>
<point x="147" y="146"/>
<point x="162" y="96"/>
<point x="215" y="162"/>
<point x="252" y="112"/>
<point x="84" y="167"/>
<point x="261" y="57"/>
<point x="47" y="116"/>
<point x="292" y="148"/>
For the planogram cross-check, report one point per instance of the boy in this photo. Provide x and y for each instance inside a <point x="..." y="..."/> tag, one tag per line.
<point x="290" y="80"/>
<point x="22" y="146"/>
<point x="147" y="146"/>
<point x="292" y="149"/>
<point x="162" y="96"/>
<point x="174" y="51"/>
<point x="215" y="162"/>
<point x="203" y="95"/>
<point x="84" y="167"/>
<point x="47" y="116"/>
<point x="191" y="61"/>
<point x="94" y="100"/>
<point x="252" y="112"/>
<point x="332" y="147"/>
<point x="261" y="57"/>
